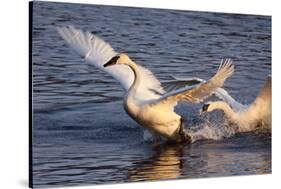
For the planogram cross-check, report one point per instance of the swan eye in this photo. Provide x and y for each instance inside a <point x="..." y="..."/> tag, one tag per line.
<point x="205" y="107"/>
<point x="112" y="61"/>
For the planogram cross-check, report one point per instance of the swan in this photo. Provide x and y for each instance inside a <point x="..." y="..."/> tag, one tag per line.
<point x="146" y="101"/>
<point x="246" y="117"/>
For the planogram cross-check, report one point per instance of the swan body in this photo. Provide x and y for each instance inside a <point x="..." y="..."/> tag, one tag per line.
<point x="246" y="117"/>
<point x="146" y="101"/>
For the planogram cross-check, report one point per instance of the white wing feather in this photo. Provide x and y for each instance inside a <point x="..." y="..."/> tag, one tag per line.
<point x="97" y="52"/>
<point x="197" y="93"/>
<point x="264" y="99"/>
<point x="178" y="83"/>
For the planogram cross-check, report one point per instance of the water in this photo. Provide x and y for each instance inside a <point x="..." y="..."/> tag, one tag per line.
<point x="81" y="134"/>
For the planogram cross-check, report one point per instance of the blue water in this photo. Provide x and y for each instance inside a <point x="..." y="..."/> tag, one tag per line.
<point x="82" y="135"/>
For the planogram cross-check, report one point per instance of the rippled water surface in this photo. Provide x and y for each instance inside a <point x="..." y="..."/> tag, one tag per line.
<point x="81" y="134"/>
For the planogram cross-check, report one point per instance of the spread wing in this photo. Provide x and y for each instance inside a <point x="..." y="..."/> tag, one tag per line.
<point x="264" y="99"/>
<point x="178" y="83"/>
<point x="97" y="52"/>
<point x="199" y="92"/>
<point x="266" y="91"/>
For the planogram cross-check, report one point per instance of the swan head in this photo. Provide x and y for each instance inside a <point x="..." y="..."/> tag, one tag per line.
<point x="118" y="59"/>
<point x="211" y="106"/>
<point x="207" y="108"/>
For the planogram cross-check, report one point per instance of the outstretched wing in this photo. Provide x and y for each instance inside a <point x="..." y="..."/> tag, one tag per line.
<point x="266" y="91"/>
<point x="197" y="93"/>
<point x="264" y="99"/>
<point x="97" y="52"/>
<point x="178" y="83"/>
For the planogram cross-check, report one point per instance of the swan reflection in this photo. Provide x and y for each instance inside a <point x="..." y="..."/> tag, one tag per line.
<point x="166" y="163"/>
<point x="201" y="160"/>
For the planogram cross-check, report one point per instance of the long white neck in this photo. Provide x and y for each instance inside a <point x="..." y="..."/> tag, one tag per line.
<point x="137" y="79"/>
<point x="229" y="113"/>
<point x="130" y="102"/>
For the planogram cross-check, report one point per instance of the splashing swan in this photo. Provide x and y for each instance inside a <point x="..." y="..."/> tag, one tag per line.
<point x="246" y="117"/>
<point x="146" y="101"/>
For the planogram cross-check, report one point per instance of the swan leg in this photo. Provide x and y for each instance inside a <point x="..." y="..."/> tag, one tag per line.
<point x="184" y="137"/>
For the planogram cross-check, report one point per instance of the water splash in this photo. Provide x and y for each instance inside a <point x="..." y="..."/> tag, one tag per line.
<point x="212" y="131"/>
<point x="214" y="126"/>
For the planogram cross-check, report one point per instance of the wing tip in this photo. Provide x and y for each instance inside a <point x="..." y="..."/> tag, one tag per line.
<point x="268" y="81"/>
<point x="226" y="68"/>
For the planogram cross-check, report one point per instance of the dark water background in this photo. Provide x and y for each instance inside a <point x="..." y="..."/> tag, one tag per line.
<point x="81" y="134"/>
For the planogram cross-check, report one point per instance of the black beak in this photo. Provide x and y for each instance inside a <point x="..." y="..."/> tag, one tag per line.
<point x="111" y="62"/>
<point x="205" y="107"/>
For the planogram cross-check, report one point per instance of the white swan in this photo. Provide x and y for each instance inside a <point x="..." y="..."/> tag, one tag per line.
<point x="246" y="117"/>
<point x="146" y="101"/>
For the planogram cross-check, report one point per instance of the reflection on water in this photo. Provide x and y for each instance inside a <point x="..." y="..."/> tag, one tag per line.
<point x="166" y="163"/>
<point x="93" y="162"/>
<point x="207" y="159"/>
<point x="82" y="135"/>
